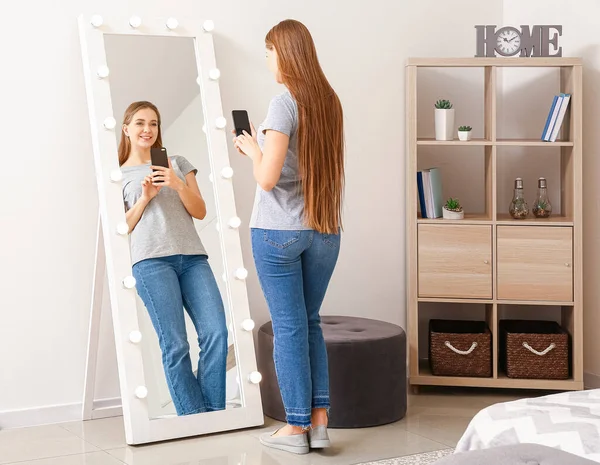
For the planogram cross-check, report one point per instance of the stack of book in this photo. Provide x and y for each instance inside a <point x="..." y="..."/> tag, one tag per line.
<point x="556" y="116"/>
<point x="429" y="185"/>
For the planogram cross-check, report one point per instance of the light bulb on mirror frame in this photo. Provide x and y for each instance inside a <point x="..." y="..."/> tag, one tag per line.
<point x="248" y="324"/>
<point x="221" y="122"/>
<point x="227" y="172"/>
<point x="116" y="175"/>
<point x="255" y="377"/>
<point x="102" y="72"/>
<point x="211" y="178"/>
<point x="208" y="25"/>
<point x="141" y="392"/>
<point x="129" y="282"/>
<point x="172" y="24"/>
<point x="122" y="228"/>
<point x="204" y="128"/>
<point x="135" y="337"/>
<point x="96" y="21"/>
<point x="135" y="22"/>
<point x="234" y="222"/>
<point x="241" y="273"/>
<point x="109" y="123"/>
<point x="214" y="74"/>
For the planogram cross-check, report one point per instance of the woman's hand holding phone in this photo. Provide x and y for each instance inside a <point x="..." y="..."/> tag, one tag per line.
<point x="247" y="144"/>
<point x="166" y="177"/>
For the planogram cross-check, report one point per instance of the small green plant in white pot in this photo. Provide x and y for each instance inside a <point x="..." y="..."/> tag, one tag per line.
<point x="453" y="210"/>
<point x="444" y="120"/>
<point x="464" y="132"/>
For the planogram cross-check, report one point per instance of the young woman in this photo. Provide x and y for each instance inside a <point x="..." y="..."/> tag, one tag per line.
<point x="298" y="163"/>
<point x="170" y="264"/>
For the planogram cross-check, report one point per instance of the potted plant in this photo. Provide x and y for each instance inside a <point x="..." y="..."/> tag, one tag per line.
<point x="444" y="120"/>
<point x="453" y="210"/>
<point x="464" y="132"/>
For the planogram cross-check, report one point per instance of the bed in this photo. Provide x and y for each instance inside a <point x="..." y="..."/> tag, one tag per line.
<point x="569" y="421"/>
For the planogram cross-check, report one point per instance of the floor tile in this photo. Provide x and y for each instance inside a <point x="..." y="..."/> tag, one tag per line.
<point x="22" y="444"/>
<point x="107" y="433"/>
<point x="93" y="458"/>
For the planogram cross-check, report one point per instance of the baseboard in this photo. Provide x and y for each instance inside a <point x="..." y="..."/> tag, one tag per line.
<point x="103" y="408"/>
<point x="591" y="381"/>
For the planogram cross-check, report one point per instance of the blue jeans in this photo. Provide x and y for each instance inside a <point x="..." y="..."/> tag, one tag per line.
<point x="167" y="285"/>
<point x="294" y="269"/>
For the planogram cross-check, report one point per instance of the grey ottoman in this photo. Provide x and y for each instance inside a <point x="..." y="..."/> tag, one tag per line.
<point x="367" y="372"/>
<point x="519" y="454"/>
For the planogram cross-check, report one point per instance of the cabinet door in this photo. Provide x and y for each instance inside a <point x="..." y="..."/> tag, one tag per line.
<point x="535" y="263"/>
<point x="455" y="261"/>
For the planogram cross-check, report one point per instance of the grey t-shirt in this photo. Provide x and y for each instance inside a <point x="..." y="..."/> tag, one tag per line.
<point x="282" y="207"/>
<point x="165" y="228"/>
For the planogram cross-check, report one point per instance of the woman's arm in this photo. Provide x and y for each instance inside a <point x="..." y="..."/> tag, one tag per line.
<point x="267" y="164"/>
<point x="192" y="198"/>
<point x="133" y="215"/>
<point x="188" y="191"/>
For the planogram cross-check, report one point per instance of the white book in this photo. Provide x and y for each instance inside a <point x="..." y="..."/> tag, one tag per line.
<point x="553" y="119"/>
<point x="560" y="117"/>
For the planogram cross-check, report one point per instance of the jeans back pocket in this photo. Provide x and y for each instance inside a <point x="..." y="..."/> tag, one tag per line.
<point x="281" y="238"/>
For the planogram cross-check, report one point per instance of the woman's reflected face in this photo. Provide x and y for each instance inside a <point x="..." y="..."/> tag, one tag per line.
<point x="143" y="129"/>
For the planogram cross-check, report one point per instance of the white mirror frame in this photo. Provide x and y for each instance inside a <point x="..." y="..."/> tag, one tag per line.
<point x="139" y="428"/>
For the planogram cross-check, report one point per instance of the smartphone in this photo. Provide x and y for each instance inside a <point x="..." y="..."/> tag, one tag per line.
<point x="158" y="156"/>
<point x="241" y="122"/>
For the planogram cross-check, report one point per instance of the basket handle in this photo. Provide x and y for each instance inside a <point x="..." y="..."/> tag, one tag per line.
<point x="460" y="352"/>
<point x="541" y="354"/>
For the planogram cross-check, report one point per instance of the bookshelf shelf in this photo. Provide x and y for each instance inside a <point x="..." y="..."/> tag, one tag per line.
<point x="497" y="143"/>
<point x="429" y="141"/>
<point x="554" y="220"/>
<point x="532" y="143"/>
<point x="470" y="218"/>
<point x="490" y="260"/>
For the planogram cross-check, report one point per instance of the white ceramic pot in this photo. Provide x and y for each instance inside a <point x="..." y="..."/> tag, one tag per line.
<point x="464" y="135"/>
<point x="444" y="124"/>
<point x="450" y="215"/>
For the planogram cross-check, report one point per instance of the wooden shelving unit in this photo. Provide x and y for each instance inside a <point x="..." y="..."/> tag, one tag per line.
<point x="469" y="261"/>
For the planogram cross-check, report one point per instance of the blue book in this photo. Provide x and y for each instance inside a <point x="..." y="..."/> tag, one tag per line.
<point x="421" y="194"/>
<point x="549" y="119"/>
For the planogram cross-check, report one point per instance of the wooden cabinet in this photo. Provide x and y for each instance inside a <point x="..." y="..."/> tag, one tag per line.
<point x="489" y="266"/>
<point x="455" y="261"/>
<point x="535" y="263"/>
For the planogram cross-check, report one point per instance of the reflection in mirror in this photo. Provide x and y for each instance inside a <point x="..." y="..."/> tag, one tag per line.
<point x="183" y="311"/>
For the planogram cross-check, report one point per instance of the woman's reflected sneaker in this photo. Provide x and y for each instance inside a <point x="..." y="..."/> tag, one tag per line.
<point x="318" y="437"/>
<point x="295" y="443"/>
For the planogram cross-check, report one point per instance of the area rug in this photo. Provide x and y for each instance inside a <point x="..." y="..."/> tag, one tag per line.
<point x="418" y="459"/>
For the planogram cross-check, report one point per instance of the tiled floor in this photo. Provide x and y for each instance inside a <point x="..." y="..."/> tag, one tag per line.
<point x="435" y="420"/>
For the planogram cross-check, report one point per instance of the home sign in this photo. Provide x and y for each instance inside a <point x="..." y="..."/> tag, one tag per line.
<point x="529" y="41"/>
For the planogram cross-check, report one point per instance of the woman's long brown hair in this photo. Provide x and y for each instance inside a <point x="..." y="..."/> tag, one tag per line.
<point x="125" y="143"/>
<point x="320" y="125"/>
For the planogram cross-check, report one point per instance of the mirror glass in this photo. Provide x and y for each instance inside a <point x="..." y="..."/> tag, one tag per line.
<point x="182" y="305"/>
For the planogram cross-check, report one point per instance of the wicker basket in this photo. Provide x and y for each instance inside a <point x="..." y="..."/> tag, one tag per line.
<point x="534" y="349"/>
<point x="460" y="348"/>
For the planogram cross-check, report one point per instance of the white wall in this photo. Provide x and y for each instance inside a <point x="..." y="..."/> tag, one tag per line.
<point x="48" y="246"/>
<point x="580" y="38"/>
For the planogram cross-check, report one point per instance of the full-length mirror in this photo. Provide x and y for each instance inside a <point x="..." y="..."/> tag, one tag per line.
<point x="188" y="354"/>
<point x="179" y="303"/>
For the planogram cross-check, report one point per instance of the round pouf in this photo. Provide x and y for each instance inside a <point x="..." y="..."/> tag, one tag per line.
<point x="367" y="372"/>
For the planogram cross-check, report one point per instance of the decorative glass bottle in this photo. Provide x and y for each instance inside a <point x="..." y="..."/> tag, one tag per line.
<point x="518" y="207"/>
<point x="542" y="207"/>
